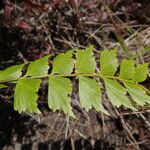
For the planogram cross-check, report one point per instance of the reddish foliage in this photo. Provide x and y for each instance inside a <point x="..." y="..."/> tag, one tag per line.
<point x="23" y="25"/>
<point x="8" y="9"/>
<point x="56" y="2"/>
<point x="72" y="3"/>
<point x="29" y="5"/>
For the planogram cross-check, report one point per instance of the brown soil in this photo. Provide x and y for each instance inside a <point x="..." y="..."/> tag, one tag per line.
<point x="32" y="29"/>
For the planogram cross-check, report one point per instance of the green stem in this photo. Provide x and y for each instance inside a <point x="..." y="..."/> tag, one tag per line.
<point x="78" y="75"/>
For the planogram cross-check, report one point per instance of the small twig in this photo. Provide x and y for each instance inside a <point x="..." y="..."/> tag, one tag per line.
<point x="134" y="113"/>
<point x="80" y="134"/>
<point x="67" y="127"/>
<point x="128" y="131"/>
<point x="52" y="127"/>
<point x="72" y="144"/>
<point x="145" y="120"/>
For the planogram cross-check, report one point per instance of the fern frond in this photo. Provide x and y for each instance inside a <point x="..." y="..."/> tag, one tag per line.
<point x="83" y="69"/>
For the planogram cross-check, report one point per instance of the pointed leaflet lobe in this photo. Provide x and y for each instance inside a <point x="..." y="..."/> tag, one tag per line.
<point x="127" y="69"/>
<point x="85" y="61"/>
<point x="63" y="63"/>
<point x="90" y="94"/>
<point x="39" y="67"/>
<point x="140" y="73"/>
<point x="2" y="86"/>
<point x="137" y="93"/>
<point x="116" y="94"/>
<point x="11" y="73"/>
<point x="58" y="94"/>
<point x="108" y="62"/>
<point x="25" y="97"/>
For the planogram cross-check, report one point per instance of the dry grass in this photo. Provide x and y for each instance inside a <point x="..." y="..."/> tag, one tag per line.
<point x="61" y="28"/>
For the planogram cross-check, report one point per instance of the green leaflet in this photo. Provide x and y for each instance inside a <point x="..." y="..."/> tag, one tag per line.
<point x="108" y="62"/>
<point x="25" y="97"/>
<point x="85" y="61"/>
<point x="59" y="91"/>
<point x="60" y="88"/>
<point x="117" y="94"/>
<point x="140" y="73"/>
<point x="11" y="73"/>
<point x="38" y="68"/>
<point x="2" y="86"/>
<point x="127" y="69"/>
<point x="137" y="93"/>
<point x="90" y="94"/>
<point x="63" y="63"/>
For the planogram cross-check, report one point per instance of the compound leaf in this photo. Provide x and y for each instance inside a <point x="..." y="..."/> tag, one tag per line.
<point x="59" y="92"/>
<point x="2" y="86"/>
<point x="90" y="94"/>
<point x="108" y="62"/>
<point x="11" y="73"/>
<point x="39" y="67"/>
<point x="63" y="63"/>
<point x="116" y="94"/>
<point x="137" y="93"/>
<point x="85" y="61"/>
<point x="127" y="69"/>
<point x="140" y="73"/>
<point x="25" y="97"/>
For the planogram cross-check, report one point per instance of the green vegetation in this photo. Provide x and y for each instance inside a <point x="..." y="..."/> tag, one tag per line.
<point x="83" y="67"/>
